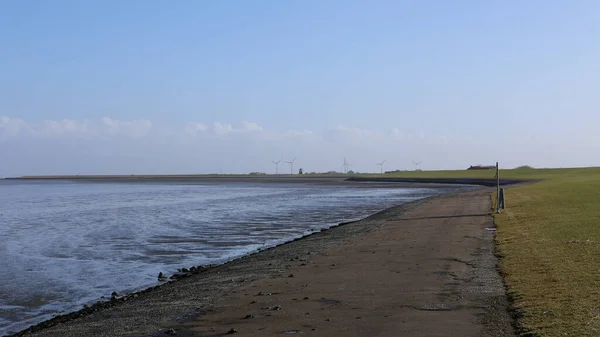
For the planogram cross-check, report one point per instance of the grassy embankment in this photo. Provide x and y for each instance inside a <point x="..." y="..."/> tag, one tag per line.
<point x="548" y="239"/>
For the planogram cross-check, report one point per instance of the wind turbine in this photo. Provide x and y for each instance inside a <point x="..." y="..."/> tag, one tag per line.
<point x="381" y="165"/>
<point x="345" y="165"/>
<point x="276" y="165"/>
<point x="291" y="162"/>
<point x="417" y="163"/>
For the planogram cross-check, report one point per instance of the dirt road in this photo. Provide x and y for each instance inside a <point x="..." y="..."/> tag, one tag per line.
<point x="429" y="272"/>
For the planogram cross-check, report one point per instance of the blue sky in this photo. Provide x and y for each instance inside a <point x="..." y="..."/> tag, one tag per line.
<point x="202" y="86"/>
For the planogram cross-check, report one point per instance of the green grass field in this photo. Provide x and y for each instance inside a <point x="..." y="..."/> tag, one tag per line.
<point x="548" y="240"/>
<point x="512" y="174"/>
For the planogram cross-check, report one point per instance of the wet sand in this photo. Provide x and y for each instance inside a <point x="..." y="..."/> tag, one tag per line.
<point x="421" y="269"/>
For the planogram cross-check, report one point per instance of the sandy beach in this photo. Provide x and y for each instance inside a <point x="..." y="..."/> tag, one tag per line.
<point x="421" y="269"/>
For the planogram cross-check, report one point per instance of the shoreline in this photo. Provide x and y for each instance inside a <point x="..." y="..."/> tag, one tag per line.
<point x="120" y="316"/>
<point x="195" y="271"/>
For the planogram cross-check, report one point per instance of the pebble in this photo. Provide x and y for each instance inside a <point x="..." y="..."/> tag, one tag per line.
<point x="232" y="331"/>
<point x="171" y="332"/>
<point x="179" y="275"/>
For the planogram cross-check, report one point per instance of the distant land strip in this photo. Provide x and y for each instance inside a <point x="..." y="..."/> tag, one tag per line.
<point x="277" y="178"/>
<point x="461" y="181"/>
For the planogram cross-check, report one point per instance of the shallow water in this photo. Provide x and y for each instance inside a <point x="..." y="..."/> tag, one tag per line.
<point x="64" y="244"/>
